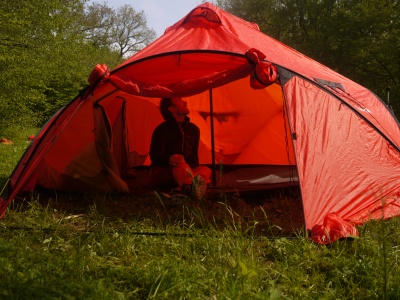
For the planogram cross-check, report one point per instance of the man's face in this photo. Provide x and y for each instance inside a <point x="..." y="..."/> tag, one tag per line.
<point x="179" y="107"/>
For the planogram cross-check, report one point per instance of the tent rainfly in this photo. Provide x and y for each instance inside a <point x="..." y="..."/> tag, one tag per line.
<point x="264" y="110"/>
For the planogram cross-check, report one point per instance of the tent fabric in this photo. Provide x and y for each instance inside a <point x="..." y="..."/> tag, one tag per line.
<point x="261" y="107"/>
<point x="330" y="139"/>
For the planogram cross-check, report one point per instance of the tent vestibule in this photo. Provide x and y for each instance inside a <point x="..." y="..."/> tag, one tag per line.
<point x="269" y="116"/>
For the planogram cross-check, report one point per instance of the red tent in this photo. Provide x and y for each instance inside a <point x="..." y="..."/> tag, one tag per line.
<point x="264" y="110"/>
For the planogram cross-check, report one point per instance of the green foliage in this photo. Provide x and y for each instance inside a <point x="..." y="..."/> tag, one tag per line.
<point x="11" y="154"/>
<point x="45" y="58"/>
<point x="25" y="44"/>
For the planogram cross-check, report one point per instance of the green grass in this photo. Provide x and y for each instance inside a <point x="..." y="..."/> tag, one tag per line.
<point x="10" y="154"/>
<point x="47" y="254"/>
<point x="51" y="253"/>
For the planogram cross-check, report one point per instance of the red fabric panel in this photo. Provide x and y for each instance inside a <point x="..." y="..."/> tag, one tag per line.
<point x="345" y="166"/>
<point x="103" y="147"/>
<point x="24" y="176"/>
<point x="3" y="206"/>
<point x="142" y="118"/>
<point x="234" y="35"/>
<point x="249" y="125"/>
<point x="181" y="74"/>
<point x="72" y="162"/>
<point x="73" y="138"/>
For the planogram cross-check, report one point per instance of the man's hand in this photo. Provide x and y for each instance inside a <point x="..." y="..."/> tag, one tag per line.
<point x="176" y="160"/>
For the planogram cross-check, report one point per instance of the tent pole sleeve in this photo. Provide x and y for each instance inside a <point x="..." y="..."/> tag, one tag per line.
<point x="214" y="179"/>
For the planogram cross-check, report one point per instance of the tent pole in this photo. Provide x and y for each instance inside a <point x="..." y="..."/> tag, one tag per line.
<point x="388" y="98"/>
<point x="214" y="180"/>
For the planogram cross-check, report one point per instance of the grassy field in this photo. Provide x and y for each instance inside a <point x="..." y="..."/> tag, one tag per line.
<point x="66" y="246"/>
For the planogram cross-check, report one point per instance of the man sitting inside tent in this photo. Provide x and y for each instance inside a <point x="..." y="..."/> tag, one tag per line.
<point x="174" y="149"/>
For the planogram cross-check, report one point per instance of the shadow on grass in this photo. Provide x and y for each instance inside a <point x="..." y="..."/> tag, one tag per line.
<point x="273" y="213"/>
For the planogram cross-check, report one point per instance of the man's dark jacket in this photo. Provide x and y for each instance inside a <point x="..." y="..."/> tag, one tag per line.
<point x="169" y="139"/>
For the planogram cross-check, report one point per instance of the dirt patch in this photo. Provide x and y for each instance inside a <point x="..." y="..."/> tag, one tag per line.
<point x="5" y="141"/>
<point x="274" y="212"/>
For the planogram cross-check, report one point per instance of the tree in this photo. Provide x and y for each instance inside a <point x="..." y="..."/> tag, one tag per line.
<point x="124" y="29"/>
<point x="130" y="33"/>
<point x="97" y="22"/>
<point x="374" y="57"/>
<point x="48" y="49"/>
